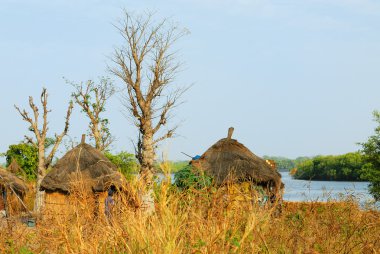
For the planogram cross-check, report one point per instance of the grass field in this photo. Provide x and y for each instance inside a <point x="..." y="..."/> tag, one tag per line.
<point x="198" y="221"/>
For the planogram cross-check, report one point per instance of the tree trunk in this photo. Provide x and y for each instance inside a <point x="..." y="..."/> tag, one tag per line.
<point x="97" y="137"/>
<point x="147" y="170"/>
<point x="40" y="195"/>
<point x="147" y="163"/>
<point x="40" y="134"/>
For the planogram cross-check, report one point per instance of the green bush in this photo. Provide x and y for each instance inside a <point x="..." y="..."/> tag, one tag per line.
<point x="126" y="162"/>
<point x="371" y="152"/>
<point x="26" y="156"/>
<point x="190" y="176"/>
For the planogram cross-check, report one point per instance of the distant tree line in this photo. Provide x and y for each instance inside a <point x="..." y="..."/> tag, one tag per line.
<point x="346" y="167"/>
<point x="286" y="163"/>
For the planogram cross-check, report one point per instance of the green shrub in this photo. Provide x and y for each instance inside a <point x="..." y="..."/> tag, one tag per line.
<point x="126" y="162"/>
<point x="190" y="176"/>
<point x="26" y="156"/>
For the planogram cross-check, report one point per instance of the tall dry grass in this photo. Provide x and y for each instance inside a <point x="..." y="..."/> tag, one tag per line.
<point x="197" y="221"/>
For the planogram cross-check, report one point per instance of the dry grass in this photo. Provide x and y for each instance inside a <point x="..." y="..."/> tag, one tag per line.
<point x="198" y="221"/>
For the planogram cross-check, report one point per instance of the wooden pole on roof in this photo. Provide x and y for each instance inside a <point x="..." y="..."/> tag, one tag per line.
<point x="230" y="131"/>
<point x="83" y="139"/>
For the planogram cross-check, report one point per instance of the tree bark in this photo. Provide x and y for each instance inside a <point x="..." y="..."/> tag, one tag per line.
<point x="147" y="169"/>
<point x="40" y="195"/>
<point x="97" y="136"/>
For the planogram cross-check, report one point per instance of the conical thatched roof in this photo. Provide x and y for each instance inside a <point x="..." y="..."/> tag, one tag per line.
<point x="83" y="165"/>
<point x="14" y="167"/>
<point x="228" y="160"/>
<point x="10" y="181"/>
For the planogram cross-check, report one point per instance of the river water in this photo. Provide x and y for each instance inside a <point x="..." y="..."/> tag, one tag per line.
<point x="302" y="190"/>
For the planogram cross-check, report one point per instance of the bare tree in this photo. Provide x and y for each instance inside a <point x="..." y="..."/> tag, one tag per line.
<point x="147" y="65"/>
<point x="40" y="133"/>
<point x="92" y="98"/>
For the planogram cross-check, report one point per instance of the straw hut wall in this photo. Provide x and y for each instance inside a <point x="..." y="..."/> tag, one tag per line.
<point x="12" y="192"/>
<point x="229" y="161"/>
<point x="84" y="173"/>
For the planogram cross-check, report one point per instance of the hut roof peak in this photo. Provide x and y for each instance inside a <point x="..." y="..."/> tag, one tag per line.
<point x="230" y="132"/>
<point x="14" y="167"/>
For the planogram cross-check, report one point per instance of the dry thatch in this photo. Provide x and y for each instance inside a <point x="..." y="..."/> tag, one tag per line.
<point x="84" y="166"/>
<point x="230" y="161"/>
<point x="15" y="168"/>
<point x="12" y="182"/>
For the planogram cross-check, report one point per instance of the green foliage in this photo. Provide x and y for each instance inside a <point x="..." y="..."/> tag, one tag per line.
<point x="126" y="162"/>
<point x="372" y="174"/>
<point x="26" y="156"/>
<point x="189" y="177"/>
<point x="174" y="166"/>
<point x="285" y="163"/>
<point x="24" y="250"/>
<point x="371" y="151"/>
<point x="49" y="142"/>
<point x="301" y="159"/>
<point x="178" y="165"/>
<point x="347" y="167"/>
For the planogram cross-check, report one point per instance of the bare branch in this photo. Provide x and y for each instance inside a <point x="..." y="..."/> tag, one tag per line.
<point x="29" y="140"/>
<point x="147" y="66"/>
<point x="44" y="101"/>
<point x="33" y="124"/>
<point x="171" y="103"/>
<point x="58" y="138"/>
<point x="92" y="97"/>
<point x="169" y="134"/>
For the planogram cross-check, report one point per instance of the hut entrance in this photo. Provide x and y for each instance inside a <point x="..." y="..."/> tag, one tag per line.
<point x="3" y="199"/>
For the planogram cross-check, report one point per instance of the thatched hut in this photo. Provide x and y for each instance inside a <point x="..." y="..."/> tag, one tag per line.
<point x="14" y="167"/>
<point x="12" y="193"/>
<point x="229" y="161"/>
<point x="85" y="172"/>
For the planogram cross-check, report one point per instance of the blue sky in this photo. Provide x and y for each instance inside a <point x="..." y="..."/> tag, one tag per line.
<point x="293" y="77"/>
